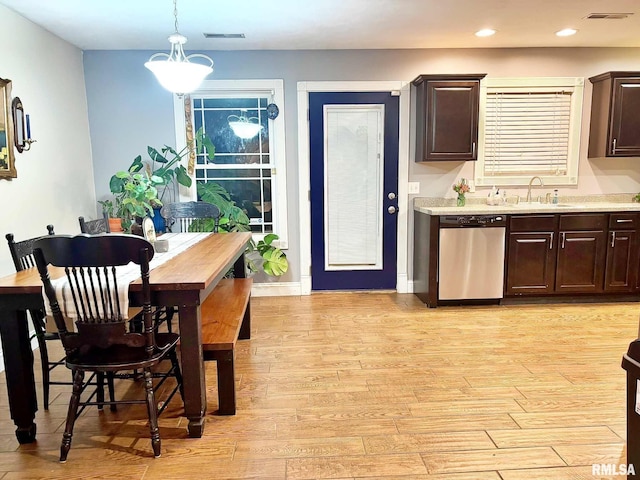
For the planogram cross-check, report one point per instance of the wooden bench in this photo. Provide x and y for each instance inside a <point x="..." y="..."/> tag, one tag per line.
<point x="226" y="317"/>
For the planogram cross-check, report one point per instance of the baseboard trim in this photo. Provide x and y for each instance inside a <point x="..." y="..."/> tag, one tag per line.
<point x="276" y="289"/>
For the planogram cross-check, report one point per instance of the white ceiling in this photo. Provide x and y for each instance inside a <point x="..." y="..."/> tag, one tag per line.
<point x="333" y="24"/>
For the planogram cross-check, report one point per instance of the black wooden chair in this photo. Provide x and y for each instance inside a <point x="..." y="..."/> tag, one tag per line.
<point x="160" y="315"/>
<point x="103" y="343"/>
<point x="192" y="216"/>
<point x="99" y="225"/>
<point x="22" y="256"/>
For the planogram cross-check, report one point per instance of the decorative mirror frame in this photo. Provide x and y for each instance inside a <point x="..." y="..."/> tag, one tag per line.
<point x="7" y="162"/>
<point x="17" y="111"/>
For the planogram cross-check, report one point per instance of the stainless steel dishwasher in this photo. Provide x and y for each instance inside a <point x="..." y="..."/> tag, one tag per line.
<point x="471" y="257"/>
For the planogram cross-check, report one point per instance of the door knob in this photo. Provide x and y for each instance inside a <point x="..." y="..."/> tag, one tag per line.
<point x="392" y="210"/>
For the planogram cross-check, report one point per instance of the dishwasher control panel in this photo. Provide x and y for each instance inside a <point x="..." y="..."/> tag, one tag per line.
<point x="474" y="221"/>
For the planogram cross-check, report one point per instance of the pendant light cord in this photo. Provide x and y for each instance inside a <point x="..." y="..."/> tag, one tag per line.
<point x="175" y="14"/>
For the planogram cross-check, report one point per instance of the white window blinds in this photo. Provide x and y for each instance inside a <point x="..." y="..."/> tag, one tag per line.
<point x="527" y="132"/>
<point x="529" y="128"/>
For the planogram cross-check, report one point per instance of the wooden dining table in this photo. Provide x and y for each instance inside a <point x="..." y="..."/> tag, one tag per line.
<point x="184" y="282"/>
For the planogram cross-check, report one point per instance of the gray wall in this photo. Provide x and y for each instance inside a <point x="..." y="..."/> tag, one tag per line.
<point x="128" y="110"/>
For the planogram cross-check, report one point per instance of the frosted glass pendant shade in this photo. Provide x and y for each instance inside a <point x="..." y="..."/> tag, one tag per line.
<point x="174" y="71"/>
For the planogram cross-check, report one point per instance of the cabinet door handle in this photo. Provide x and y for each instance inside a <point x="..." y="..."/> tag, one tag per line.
<point x="614" y="147"/>
<point x="473" y="149"/>
<point x="613" y="239"/>
<point x="563" y="237"/>
<point x="551" y="241"/>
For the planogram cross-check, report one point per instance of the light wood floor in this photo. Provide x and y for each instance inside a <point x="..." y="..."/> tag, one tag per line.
<point x="349" y="386"/>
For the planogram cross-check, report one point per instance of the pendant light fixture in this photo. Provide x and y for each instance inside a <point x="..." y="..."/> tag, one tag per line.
<point x="175" y="71"/>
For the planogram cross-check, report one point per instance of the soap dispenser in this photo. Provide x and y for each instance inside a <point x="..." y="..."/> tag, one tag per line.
<point x="491" y="198"/>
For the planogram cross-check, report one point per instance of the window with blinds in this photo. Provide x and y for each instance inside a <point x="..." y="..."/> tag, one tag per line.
<point x="529" y="127"/>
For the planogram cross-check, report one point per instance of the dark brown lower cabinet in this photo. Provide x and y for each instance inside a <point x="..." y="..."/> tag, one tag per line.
<point x="620" y="274"/>
<point x="531" y="264"/>
<point x="563" y="254"/>
<point x="556" y="254"/>
<point x="580" y="267"/>
<point x="531" y="255"/>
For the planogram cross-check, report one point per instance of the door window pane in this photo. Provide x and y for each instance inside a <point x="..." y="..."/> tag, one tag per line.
<point x="353" y="185"/>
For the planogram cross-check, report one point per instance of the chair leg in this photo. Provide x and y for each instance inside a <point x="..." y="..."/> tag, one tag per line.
<point x="44" y="360"/>
<point x="112" y="391"/>
<point x="152" y="410"/>
<point x="164" y="315"/>
<point x="100" y="390"/>
<point x="176" y="371"/>
<point x="170" y="312"/>
<point x="78" y="379"/>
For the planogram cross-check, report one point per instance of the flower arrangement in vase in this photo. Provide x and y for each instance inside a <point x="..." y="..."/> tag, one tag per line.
<point x="461" y="188"/>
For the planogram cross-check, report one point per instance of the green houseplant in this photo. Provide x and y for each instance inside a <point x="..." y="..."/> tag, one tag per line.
<point x="262" y="254"/>
<point x="139" y="190"/>
<point x="136" y="193"/>
<point x="109" y="209"/>
<point x="166" y="163"/>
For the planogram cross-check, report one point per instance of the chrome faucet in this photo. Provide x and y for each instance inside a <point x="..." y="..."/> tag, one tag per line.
<point x="531" y="183"/>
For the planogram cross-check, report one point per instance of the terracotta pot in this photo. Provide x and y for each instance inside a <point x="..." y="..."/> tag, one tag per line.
<point x="115" y="225"/>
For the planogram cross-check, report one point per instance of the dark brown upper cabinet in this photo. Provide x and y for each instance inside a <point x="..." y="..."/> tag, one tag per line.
<point x="615" y="115"/>
<point x="447" y="108"/>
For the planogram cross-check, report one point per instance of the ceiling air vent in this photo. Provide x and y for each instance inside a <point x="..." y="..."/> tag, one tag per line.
<point x="224" y="35"/>
<point x="608" y="16"/>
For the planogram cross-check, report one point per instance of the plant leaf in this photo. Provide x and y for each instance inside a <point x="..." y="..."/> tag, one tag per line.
<point x="156" y="156"/>
<point x="182" y="176"/>
<point x="136" y="165"/>
<point x="275" y="262"/>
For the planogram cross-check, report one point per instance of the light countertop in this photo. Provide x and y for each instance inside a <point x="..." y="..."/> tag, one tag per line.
<point x="599" y="203"/>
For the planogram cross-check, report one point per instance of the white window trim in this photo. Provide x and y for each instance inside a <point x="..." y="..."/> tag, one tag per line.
<point x="275" y="87"/>
<point x="576" y="84"/>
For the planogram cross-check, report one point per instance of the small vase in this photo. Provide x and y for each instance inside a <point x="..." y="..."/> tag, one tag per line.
<point x="158" y="221"/>
<point x="461" y="200"/>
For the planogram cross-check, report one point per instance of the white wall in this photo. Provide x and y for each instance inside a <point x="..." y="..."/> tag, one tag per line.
<point x="55" y="178"/>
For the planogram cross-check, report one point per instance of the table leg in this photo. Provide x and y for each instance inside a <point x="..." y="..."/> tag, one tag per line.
<point x="18" y="368"/>
<point x="193" y="378"/>
<point x="239" y="267"/>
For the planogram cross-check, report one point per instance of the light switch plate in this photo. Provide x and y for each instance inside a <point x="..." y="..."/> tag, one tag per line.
<point x="414" y="187"/>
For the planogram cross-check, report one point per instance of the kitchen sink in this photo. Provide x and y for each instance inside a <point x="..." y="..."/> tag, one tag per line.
<point x="537" y="205"/>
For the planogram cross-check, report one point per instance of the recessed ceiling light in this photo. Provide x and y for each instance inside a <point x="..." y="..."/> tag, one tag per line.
<point x="567" y="32"/>
<point x="485" y="32"/>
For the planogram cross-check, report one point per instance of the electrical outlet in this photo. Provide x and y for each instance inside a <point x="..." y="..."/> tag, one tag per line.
<point x="414" y="187"/>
